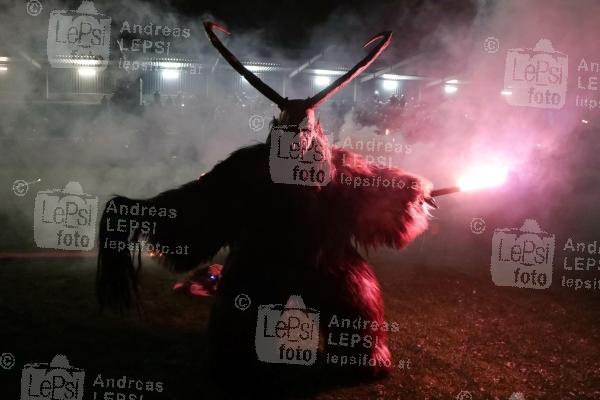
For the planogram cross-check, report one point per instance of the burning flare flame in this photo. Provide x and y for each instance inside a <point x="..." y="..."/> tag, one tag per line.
<point x="482" y="177"/>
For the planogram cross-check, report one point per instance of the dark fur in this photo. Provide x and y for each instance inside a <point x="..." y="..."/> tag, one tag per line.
<point x="283" y="240"/>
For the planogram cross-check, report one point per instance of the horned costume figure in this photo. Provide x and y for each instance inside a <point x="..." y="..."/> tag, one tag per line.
<point x="284" y="239"/>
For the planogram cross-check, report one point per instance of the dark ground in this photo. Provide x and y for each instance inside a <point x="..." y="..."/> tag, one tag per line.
<point x="459" y="331"/>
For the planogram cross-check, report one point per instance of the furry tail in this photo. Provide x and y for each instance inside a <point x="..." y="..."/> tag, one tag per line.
<point x="117" y="276"/>
<point x="184" y="227"/>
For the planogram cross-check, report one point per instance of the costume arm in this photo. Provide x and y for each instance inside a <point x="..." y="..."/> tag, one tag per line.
<point x="384" y="206"/>
<point x="183" y="227"/>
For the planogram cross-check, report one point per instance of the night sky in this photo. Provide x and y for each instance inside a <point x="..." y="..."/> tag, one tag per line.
<point x="292" y="24"/>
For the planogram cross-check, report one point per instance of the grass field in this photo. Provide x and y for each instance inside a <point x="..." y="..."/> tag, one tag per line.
<point x="459" y="331"/>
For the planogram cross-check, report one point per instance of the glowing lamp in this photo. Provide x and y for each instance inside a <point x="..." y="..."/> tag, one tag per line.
<point x="450" y="89"/>
<point x="390" y="85"/>
<point x="86" y="72"/>
<point x="321" y="80"/>
<point x="170" y="74"/>
<point x="170" y="65"/>
<point x="328" y="72"/>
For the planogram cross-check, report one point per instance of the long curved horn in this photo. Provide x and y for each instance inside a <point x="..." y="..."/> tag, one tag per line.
<point x="237" y="65"/>
<point x="345" y="79"/>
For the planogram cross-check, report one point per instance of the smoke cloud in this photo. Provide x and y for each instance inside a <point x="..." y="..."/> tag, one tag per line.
<point x="120" y="148"/>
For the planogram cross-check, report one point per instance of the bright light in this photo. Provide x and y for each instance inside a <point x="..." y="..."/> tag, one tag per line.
<point x="585" y="121"/>
<point x="450" y="89"/>
<point x="322" y="80"/>
<point x="257" y="68"/>
<point x="169" y="65"/>
<point x="170" y="74"/>
<point x="396" y="77"/>
<point x="452" y="81"/>
<point x="482" y="177"/>
<point x="87" y="63"/>
<point x="87" y="72"/>
<point x="390" y="85"/>
<point x="328" y="72"/>
<point x="4" y="59"/>
<point x="506" y="93"/>
<point x="3" y="68"/>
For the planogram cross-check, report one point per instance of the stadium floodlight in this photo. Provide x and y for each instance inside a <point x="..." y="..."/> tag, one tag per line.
<point x="170" y="74"/>
<point x="390" y="85"/>
<point x="87" y="72"/>
<point x="321" y="80"/>
<point x="450" y="89"/>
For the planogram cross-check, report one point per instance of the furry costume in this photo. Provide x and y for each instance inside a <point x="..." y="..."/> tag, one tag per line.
<point x="283" y="239"/>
